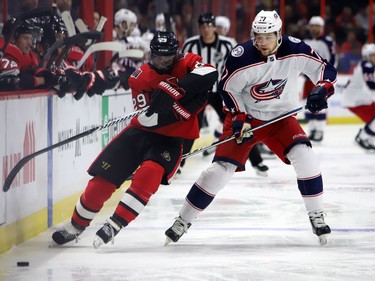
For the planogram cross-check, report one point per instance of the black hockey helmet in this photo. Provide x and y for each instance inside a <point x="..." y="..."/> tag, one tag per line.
<point x="207" y="18"/>
<point x="163" y="49"/>
<point x="51" y="26"/>
<point x="26" y="27"/>
<point x="164" y="43"/>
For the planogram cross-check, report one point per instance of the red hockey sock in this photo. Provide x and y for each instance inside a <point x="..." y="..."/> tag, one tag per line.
<point x="145" y="183"/>
<point x="97" y="192"/>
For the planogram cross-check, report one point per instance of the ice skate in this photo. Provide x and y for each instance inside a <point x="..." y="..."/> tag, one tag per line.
<point x="316" y="135"/>
<point x="107" y="233"/>
<point x="175" y="232"/>
<point x="319" y="227"/>
<point x="261" y="170"/>
<point x="364" y="143"/>
<point x="66" y="234"/>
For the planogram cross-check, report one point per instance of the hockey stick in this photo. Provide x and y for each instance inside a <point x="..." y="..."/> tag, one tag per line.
<point x="81" y="26"/>
<point x="77" y="39"/>
<point x="9" y="179"/>
<point x="69" y="24"/>
<point x="34" y="13"/>
<point x="216" y="143"/>
<point x="109" y="46"/>
<point x="51" y="50"/>
<point x="101" y="23"/>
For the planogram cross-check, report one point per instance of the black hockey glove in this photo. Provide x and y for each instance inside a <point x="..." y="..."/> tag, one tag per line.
<point x="51" y="79"/>
<point x="9" y="83"/>
<point x="241" y="125"/>
<point x="160" y="103"/>
<point x="196" y="104"/>
<point x="104" y="80"/>
<point x="124" y="77"/>
<point x="75" y="82"/>
<point x="317" y="99"/>
<point x="164" y="97"/>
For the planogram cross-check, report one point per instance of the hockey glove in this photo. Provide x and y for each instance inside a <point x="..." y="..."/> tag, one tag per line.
<point x="317" y="100"/>
<point x="9" y="83"/>
<point x="196" y="104"/>
<point x="160" y="103"/>
<point x="75" y="82"/>
<point x="241" y="128"/>
<point x="50" y="78"/>
<point x="171" y="88"/>
<point x="124" y="77"/>
<point x="104" y="80"/>
<point x="164" y="97"/>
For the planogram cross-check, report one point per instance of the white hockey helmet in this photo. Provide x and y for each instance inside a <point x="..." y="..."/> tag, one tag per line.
<point x="161" y="24"/>
<point x="223" y="22"/>
<point x="267" y="22"/>
<point x="125" y="15"/>
<point x="367" y="50"/>
<point x="316" y="20"/>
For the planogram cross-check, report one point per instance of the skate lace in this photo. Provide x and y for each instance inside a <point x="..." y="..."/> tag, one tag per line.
<point x="318" y="219"/>
<point x="180" y="227"/>
<point x="111" y="230"/>
<point x="68" y="236"/>
<point x="70" y="231"/>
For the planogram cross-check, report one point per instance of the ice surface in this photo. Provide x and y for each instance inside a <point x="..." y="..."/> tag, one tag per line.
<point x="256" y="229"/>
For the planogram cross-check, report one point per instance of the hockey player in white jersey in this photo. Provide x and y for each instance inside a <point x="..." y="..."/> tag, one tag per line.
<point x="259" y="83"/>
<point x="359" y="97"/>
<point x="324" y="45"/>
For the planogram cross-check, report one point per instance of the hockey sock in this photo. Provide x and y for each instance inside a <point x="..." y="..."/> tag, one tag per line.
<point x="201" y="194"/>
<point x="145" y="183"/>
<point x="97" y="192"/>
<point x="309" y="179"/>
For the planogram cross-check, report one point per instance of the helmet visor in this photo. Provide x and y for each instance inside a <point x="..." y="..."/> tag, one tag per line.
<point x="162" y="62"/>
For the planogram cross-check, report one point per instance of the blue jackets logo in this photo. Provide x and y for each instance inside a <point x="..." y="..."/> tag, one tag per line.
<point x="268" y="90"/>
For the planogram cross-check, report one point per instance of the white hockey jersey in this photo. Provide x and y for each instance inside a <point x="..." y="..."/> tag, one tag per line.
<point x="266" y="87"/>
<point x="324" y="46"/>
<point x="360" y="89"/>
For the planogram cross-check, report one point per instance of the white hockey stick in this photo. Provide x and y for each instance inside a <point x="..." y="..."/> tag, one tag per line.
<point x="69" y="24"/>
<point x="101" y="23"/>
<point x="110" y="46"/>
<point x="81" y="26"/>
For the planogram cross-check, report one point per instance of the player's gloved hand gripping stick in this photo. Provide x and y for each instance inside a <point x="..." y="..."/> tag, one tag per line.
<point x="234" y="136"/>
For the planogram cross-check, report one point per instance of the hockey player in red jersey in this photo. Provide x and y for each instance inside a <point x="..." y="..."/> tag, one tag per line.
<point x="18" y="65"/>
<point x="174" y="86"/>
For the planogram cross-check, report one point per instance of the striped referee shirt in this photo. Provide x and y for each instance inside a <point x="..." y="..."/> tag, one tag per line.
<point x="214" y="53"/>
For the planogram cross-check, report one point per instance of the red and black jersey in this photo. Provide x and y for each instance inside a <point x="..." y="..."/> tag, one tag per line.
<point x="145" y="80"/>
<point x="75" y="55"/>
<point x="11" y="63"/>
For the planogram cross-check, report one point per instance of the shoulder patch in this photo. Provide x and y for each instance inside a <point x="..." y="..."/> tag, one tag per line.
<point x="136" y="73"/>
<point x="294" y="39"/>
<point x="237" y="52"/>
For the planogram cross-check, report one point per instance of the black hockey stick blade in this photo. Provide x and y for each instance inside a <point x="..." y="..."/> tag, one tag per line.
<point x="13" y="173"/>
<point x="216" y="143"/>
<point x="51" y="50"/>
